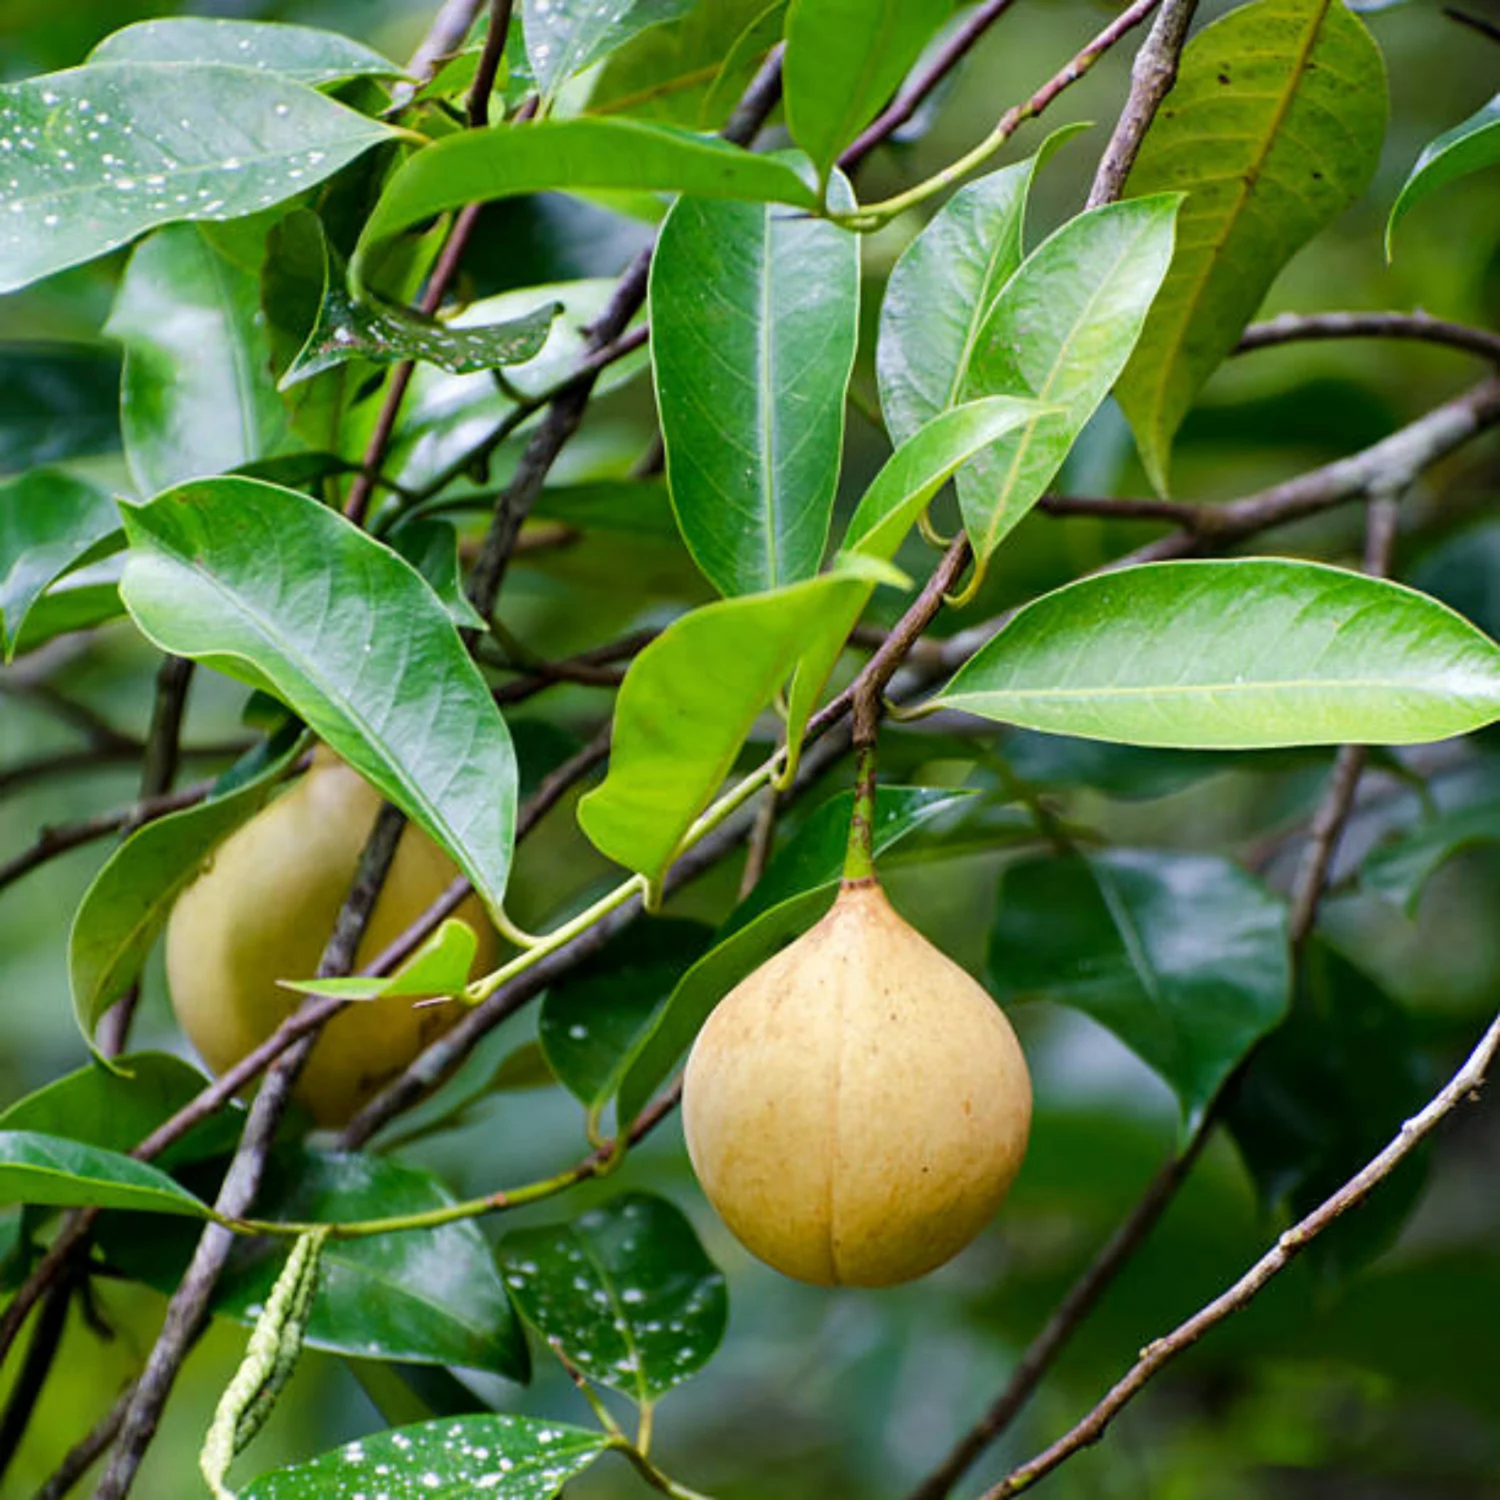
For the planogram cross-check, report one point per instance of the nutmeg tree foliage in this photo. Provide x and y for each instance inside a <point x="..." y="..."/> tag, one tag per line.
<point x="476" y="483"/>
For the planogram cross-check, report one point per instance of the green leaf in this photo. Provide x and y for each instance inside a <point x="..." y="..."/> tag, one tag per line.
<point x="303" y="53"/>
<point x="897" y="495"/>
<point x="844" y="59"/>
<point x="1248" y="654"/>
<point x="573" y="155"/>
<point x="740" y="62"/>
<point x="564" y="36"/>
<point x="129" y="900"/>
<point x="1061" y="331"/>
<point x="685" y="708"/>
<point x="1399" y="871"/>
<point x="794" y="892"/>
<point x="1273" y="128"/>
<point x="273" y="589"/>
<point x="1467" y="148"/>
<point x="627" y="1291"/>
<point x="592" y="1019"/>
<point x="56" y="1171"/>
<point x="385" y="334"/>
<point x="197" y="396"/>
<point x="57" y="401"/>
<point x="754" y="321"/>
<point x="439" y="967"/>
<point x="87" y="596"/>
<point x="1183" y="956"/>
<point x="455" y="1458"/>
<point x="108" y="151"/>
<point x="431" y="547"/>
<point x="49" y="524"/>
<point x="942" y="289"/>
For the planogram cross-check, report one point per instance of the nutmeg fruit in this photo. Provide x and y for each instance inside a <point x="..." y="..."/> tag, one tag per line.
<point x="857" y="1108"/>
<point x="262" y="910"/>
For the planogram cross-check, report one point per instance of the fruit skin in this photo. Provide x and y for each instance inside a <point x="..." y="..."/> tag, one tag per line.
<point x="262" y="910"/>
<point x="857" y="1107"/>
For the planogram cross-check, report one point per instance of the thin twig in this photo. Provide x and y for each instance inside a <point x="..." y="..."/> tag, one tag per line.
<point x="450" y="28"/>
<point x="40" y="1355"/>
<point x="99" y="758"/>
<point x="478" y="102"/>
<point x="1292" y="328"/>
<point x="762" y="836"/>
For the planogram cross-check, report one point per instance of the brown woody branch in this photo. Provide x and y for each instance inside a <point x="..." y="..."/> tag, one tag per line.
<point x="1298" y="327"/>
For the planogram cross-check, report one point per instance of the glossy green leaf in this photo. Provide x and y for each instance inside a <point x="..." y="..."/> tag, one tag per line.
<point x="197" y="396"/>
<point x="740" y="62"/>
<point x="88" y="595"/>
<point x="1467" y="148"/>
<point x="627" y="1291"/>
<point x="573" y="155"/>
<point x="301" y="52"/>
<point x="503" y="1457"/>
<point x="899" y="493"/>
<point x="106" y="152"/>
<point x="796" y="889"/>
<point x="130" y="899"/>
<point x="57" y="1171"/>
<point x="592" y="1019"/>
<point x="564" y="36"/>
<point x="1399" y="871"/>
<point x="754" y="321"/>
<point x="273" y="589"/>
<point x="1183" y="956"/>
<point x="439" y="967"/>
<point x="49" y="523"/>
<point x="1273" y="128"/>
<point x="1060" y="331"/>
<point x="844" y="59"/>
<point x="57" y="401"/>
<point x="686" y="706"/>
<point x="431" y="547"/>
<point x="1235" y="655"/>
<point x="942" y="289"/>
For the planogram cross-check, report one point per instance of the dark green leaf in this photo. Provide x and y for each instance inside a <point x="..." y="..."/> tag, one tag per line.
<point x="572" y="155"/>
<point x="564" y="36"/>
<point x="740" y="63"/>
<point x="106" y="152"/>
<point x="1400" y="871"/>
<point x="1223" y="655"/>
<point x="625" y="1289"/>
<point x="300" y="52"/>
<point x="49" y="523"/>
<point x="1467" y="148"/>
<point x="197" y="396"/>
<point x="271" y="588"/>
<point x="456" y="1458"/>
<point x="53" y="1170"/>
<point x="1061" y="331"/>
<point x="1183" y="956"/>
<point x="56" y="401"/>
<point x="1273" y="128"/>
<point x="431" y="547"/>
<point x="754" y="321"/>
<point x="130" y="899"/>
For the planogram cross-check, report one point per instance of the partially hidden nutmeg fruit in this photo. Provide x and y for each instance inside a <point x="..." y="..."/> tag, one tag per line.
<point x="857" y="1107"/>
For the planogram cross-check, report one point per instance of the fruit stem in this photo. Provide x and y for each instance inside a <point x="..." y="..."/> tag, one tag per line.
<point x="859" y="857"/>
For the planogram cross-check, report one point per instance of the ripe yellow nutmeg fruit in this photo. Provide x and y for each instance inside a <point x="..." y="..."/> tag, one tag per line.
<point x="262" y="910"/>
<point x="857" y="1107"/>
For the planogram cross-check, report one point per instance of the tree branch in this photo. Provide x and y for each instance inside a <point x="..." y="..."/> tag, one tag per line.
<point x="1295" y="327"/>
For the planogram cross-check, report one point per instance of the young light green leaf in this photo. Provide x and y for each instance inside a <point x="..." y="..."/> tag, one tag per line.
<point x="106" y="152"/>
<point x="942" y="289"/>
<point x="439" y="967"/>
<point x="844" y="59"/>
<point x="686" y="706"/>
<point x="564" y="36"/>
<point x="627" y="1291"/>
<point x="197" y="396"/>
<point x="1273" y="128"/>
<point x="754" y="321"/>
<point x="277" y="591"/>
<point x="59" y="1172"/>
<point x="572" y="155"/>
<point x="1249" y="654"/>
<point x="130" y="899"/>
<point x="1182" y="956"/>
<point x="1467" y="148"/>
<point x="49" y="524"/>
<point x="794" y="892"/>
<point x="1061" y="331"/>
<point x="304" y="53"/>
<point x="501" y="1456"/>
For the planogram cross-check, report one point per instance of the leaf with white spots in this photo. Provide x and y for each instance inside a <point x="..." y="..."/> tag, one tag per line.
<point x="626" y="1290"/>
<point x="94" y="156"/>
<point x="564" y="36"/>
<point x="507" y="1457"/>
